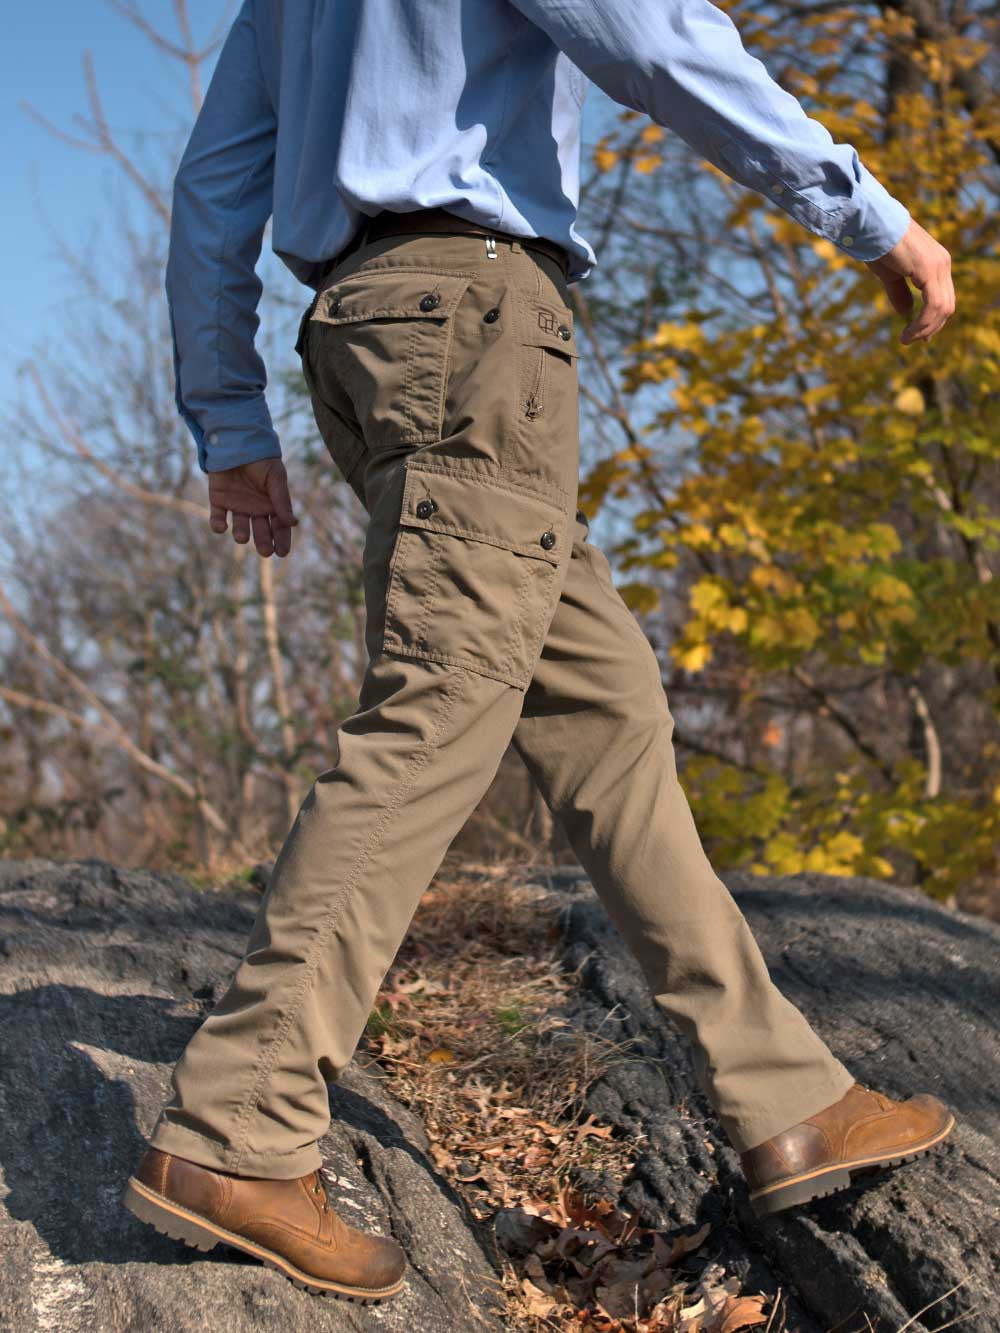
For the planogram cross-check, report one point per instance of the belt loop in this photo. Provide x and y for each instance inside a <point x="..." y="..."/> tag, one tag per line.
<point x="516" y="247"/>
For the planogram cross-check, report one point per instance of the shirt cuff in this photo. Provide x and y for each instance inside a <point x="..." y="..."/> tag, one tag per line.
<point x="243" y="435"/>
<point x="875" y="223"/>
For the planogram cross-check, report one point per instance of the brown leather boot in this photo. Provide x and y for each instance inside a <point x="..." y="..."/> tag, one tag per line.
<point x="861" y="1132"/>
<point x="289" y="1224"/>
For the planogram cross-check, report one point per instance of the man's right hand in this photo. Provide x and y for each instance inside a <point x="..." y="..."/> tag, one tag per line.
<point x="917" y="256"/>
<point x="257" y="496"/>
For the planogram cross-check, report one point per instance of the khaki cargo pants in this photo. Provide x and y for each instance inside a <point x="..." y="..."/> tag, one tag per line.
<point x="444" y="383"/>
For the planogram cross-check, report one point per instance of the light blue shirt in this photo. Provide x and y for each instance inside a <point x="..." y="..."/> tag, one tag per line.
<point x="322" y="111"/>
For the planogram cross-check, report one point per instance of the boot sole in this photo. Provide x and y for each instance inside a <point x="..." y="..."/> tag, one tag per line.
<point x="170" y="1219"/>
<point x="829" y="1179"/>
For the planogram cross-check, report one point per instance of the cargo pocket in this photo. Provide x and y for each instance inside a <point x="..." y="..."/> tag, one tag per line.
<point x="476" y="571"/>
<point x="385" y="335"/>
<point x="548" y="356"/>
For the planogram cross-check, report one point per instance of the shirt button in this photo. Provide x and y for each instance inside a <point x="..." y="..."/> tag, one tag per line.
<point x="213" y="438"/>
<point x="491" y="316"/>
<point x="548" y="540"/>
<point x="777" y="189"/>
<point x="425" y="508"/>
<point x="564" y="333"/>
<point x="334" y="307"/>
<point x="847" y="240"/>
<point x="430" y="302"/>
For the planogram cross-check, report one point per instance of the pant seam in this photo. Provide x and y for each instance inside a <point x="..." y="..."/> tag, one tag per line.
<point x="270" y="1053"/>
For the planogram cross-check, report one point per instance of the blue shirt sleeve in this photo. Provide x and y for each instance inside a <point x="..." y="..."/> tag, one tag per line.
<point x="683" y="64"/>
<point x="222" y="199"/>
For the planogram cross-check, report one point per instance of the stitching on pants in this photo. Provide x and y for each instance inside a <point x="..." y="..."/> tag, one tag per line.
<point x="500" y="477"/>
<point x="269" y="1056"/>
<point x="433" y="583"/>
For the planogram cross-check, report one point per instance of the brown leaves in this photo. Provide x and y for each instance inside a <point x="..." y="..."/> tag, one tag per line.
<point x="474" y="1029"/>
<point x="593" y="1268"/>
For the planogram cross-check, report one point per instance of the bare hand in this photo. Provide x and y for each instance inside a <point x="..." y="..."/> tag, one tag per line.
<point x="257" y="494"/>
<point x="927" y="264"/>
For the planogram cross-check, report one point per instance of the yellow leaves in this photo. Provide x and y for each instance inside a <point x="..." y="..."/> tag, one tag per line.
<point x="889" y="590"/>
<point x="910" y="401"/>
<point x="605" y="158"/>
<point x="698" y="536"/>
<point x="774" y="577"/>
<point x="694" y="658"/>
<point x="837" y="854"/>
<point x="792" y="627"/>
<point x="987" y="337"/>
<point x="640" y="597"/>
<point x="440" y="1055"/>
<point x="652" y="134"/>
<point x="707" y="596"/>
<point x="647" y="162"/>
<point x="689" y="336"/>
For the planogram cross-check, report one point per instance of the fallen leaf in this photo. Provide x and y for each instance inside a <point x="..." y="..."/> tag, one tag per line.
<point x="742" y="1312"/>
<point x="440" y="1055"/>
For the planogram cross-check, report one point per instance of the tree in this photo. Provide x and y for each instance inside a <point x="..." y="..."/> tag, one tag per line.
<point x="813" y="506"/>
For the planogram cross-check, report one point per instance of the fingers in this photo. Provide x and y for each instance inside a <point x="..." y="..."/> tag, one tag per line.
<point x="899" y="293"/>
<point x="282" y="535"/>
<point x="257" y="495"/>
<point x="262" y="535"/>
<point x="938" y="307"/>
<point x="281" y="500"/>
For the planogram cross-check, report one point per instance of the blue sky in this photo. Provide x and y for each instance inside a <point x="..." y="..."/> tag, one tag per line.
<point x="52" y="190"/>
<point x="54" y="193"/>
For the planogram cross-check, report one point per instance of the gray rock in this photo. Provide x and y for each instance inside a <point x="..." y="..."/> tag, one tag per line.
<point x="104" y="974"/>
<point x="905" y="992"/>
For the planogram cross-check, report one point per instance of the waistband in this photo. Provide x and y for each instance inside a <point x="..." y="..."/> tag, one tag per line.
<point x="439" y="220"/>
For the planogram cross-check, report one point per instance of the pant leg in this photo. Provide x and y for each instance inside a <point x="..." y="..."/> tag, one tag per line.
<point x="421" y="356"/>
<point x="596" y="736"/>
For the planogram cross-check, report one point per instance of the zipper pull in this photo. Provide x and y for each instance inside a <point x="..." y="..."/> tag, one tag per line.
<point x="491" y="248"/>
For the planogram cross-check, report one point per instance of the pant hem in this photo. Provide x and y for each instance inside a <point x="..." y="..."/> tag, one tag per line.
<point x="749" y="1131"/>
<point x="188" y="1144"/>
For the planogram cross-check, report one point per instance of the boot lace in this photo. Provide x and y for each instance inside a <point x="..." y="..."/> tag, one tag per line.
<point x="321" y="1186"/>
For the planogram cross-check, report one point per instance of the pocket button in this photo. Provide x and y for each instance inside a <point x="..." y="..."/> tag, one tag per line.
<point x="334" y="306"/>
<point x="430" y="302"/>
<point x="425" y="508"/>
<point x="548" y="540"/>
<point x="492" y="315"/>
<point x="565" y="333"/>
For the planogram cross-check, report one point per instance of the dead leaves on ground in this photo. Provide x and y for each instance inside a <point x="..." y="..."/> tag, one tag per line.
<point x="593" y="1269"/>
<point x="473" y="1027"/>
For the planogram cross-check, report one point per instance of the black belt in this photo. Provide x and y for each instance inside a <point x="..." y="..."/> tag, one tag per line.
<point x="440" y="220"/>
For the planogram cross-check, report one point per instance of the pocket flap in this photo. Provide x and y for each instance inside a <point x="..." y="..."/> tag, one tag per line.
<point x="391" y="294"/>
<point x="472" y="505"/>
<point x="548" y="325"/>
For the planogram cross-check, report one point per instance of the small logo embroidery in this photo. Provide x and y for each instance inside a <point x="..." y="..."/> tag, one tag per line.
<point x="547" y="322"/>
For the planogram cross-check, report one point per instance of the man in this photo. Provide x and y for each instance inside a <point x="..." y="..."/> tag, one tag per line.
<point x="420" y="163"/>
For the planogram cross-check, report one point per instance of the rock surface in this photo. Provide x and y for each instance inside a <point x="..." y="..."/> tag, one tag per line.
<point x="905" y="992"/>
<point x="103" y="976"/>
